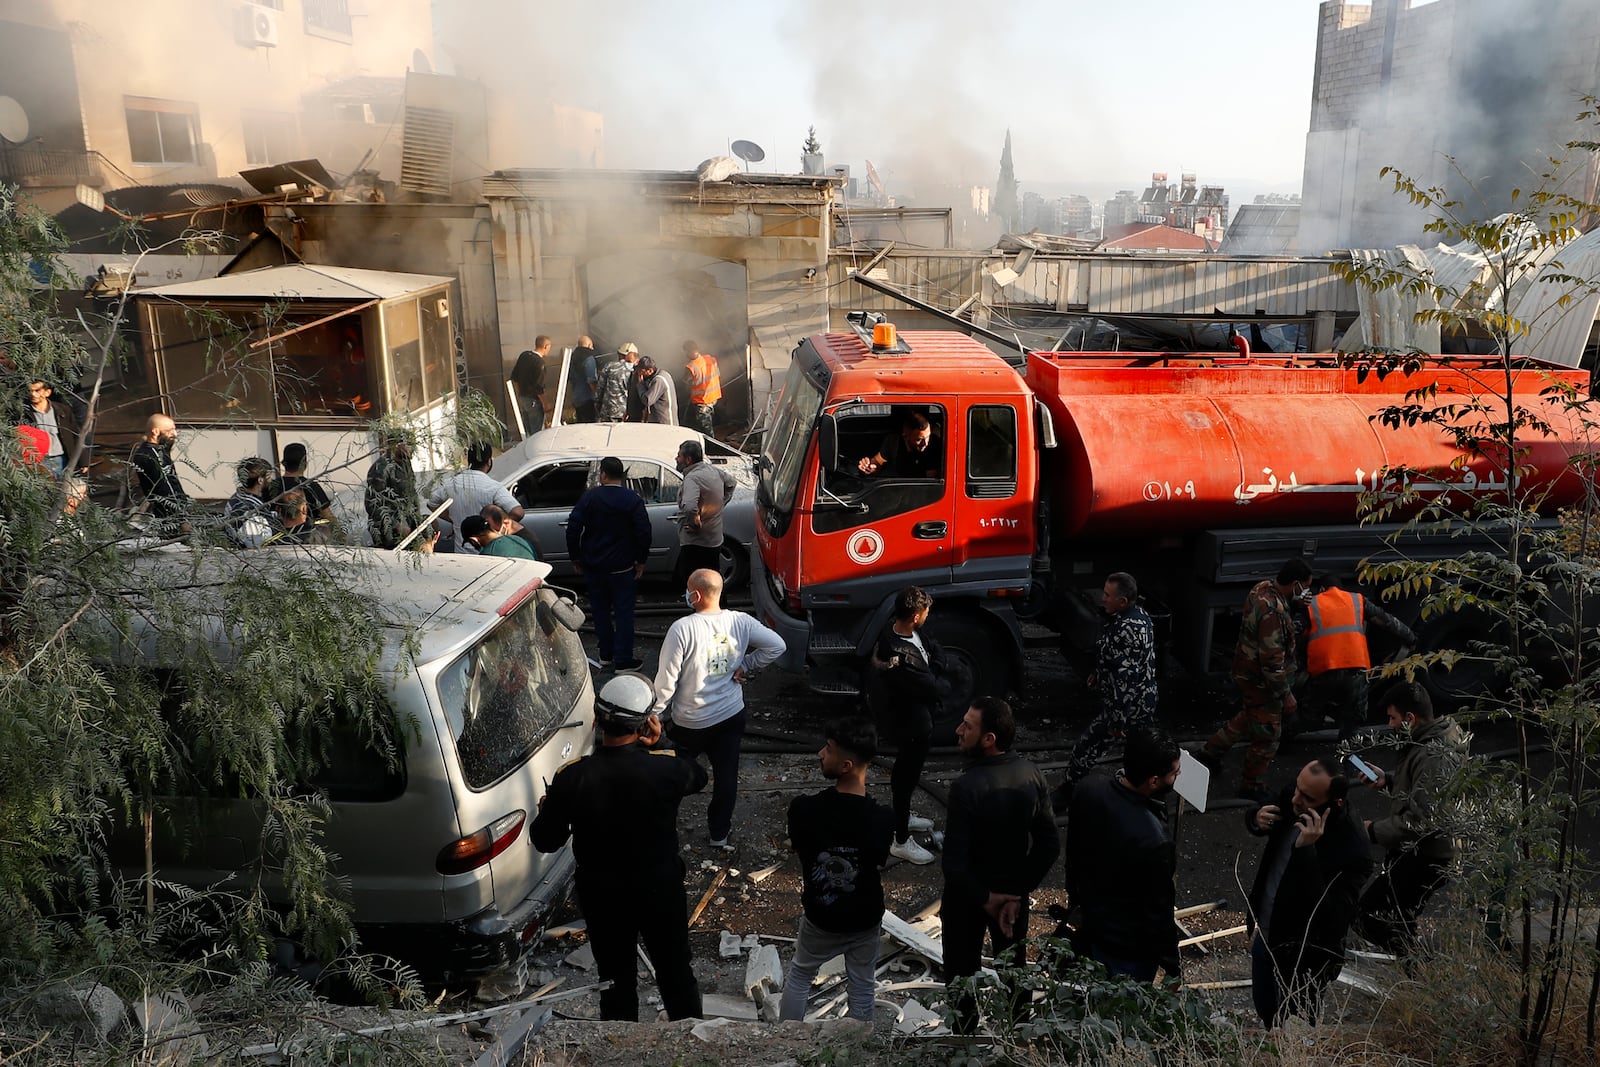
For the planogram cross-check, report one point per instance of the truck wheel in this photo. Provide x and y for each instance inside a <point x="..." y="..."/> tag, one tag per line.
<point x="974" y="645"/>
<point x="1472" y="678"/>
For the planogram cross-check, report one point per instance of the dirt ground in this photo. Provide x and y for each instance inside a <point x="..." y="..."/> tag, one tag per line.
<point x="760" y="894"/>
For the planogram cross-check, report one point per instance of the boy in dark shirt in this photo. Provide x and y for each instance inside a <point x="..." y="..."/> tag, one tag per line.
<point x="842" y="837"/>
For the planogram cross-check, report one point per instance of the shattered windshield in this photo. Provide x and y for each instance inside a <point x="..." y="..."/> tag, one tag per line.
<point x="784" y="448"/>
<point x="508" y="693"/>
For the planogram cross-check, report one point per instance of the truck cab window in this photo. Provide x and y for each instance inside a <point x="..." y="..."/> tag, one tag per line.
<point x="891" y="460"/>
<point x="991" y="451"/>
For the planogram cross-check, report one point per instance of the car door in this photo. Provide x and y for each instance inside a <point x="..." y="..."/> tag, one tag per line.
<point x="547" y="494"/>
<point x="657" y="484"/>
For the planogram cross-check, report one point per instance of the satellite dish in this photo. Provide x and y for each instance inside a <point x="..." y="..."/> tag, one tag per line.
<point x="749" y="151"/>
<point x="14" y="121"/>
<point x="419" y="62"/>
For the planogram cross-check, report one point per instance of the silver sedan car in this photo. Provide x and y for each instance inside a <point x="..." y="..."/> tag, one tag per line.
<point x="550" y="470"/>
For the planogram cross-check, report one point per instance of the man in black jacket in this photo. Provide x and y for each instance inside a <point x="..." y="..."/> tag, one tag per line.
<point x="999" y="844"/>
<point x="903" y="683"/>
<point x="608" y="538"/>
<point x="1305" y="893"/>
<point x="1120" y="860"/>
<point x="619" y="804"/>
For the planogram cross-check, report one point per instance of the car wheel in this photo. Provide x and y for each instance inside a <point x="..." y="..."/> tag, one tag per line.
<point x="734" y="564"/>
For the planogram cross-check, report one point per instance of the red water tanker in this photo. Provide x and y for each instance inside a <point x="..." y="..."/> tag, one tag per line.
<point x="1198" y="473"/>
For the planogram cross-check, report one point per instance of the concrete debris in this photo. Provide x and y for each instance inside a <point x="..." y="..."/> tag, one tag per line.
<point x="730" y="945"/>
<point x="769" y="1005"/>
<point x="710" y="865"/>
<point x="764" y="969"/>
<point x="721" y="1006"/>
<point x="832" y="969"/>
<point x="704" y="1030"/>
<point x="915" y="1019"/>
<point x="757" y="877"/>
<point x="845" y="1030"/>
<point x="751" y="941"/>
<point x="166" y="1018"/>
<point x="583" y="958"/>
<point x="93" y="1011"/>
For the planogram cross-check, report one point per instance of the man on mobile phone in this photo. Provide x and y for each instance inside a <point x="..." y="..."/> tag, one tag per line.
<point x="1419" y="851"/>
<point x="1305" y="893"/>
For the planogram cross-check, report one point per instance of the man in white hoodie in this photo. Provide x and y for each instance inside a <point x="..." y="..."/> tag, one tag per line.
<point x="704" y="662"/>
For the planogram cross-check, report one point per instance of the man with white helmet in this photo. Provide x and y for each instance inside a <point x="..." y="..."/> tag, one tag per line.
<point x="619" y="805"/>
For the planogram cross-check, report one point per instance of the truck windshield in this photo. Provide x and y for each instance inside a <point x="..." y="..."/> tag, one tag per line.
<point x="784" y="449"/>
<point x="505" y="695"/>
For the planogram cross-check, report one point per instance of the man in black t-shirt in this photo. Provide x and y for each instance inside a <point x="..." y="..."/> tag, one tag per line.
<point x="842" y="837"/>
<point x="914" y="452"/>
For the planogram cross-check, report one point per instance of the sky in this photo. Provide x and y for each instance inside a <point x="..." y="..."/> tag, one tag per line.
<point x="1097" y="95"/>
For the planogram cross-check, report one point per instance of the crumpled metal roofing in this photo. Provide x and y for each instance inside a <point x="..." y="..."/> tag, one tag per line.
<point x="1558" y="334"/>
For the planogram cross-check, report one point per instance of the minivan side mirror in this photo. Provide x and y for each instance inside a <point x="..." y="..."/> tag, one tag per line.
<point x="562" y="612"/>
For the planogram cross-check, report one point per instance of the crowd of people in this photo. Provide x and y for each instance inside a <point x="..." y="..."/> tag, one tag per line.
<point x="1316" y="879"/>
<point x="624" y="387"/>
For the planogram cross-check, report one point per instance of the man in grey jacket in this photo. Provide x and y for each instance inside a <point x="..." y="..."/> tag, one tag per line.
<point x="701" y="498"/>
<point x="1420" y="850"/>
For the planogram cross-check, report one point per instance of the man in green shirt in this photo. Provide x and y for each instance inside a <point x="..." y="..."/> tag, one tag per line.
<point x="490" y="542"/>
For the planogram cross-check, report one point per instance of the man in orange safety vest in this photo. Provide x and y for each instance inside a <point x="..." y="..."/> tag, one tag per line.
<point x="1337" y="657"/>
<point x="705" y="386"/>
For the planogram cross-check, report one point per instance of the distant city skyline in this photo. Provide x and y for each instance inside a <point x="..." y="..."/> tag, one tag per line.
<point x="1096" y="96"/>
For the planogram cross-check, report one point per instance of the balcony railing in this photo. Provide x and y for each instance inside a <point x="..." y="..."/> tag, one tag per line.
<point x="32" y="167"/>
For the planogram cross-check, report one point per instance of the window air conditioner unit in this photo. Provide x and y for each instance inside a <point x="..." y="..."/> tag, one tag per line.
<point x="256" y="27"/>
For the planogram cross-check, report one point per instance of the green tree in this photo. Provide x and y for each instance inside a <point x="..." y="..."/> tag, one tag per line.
<point x="108" y="701"/>
<point x="1521" y="609"/>
<point x="812" y="146"/>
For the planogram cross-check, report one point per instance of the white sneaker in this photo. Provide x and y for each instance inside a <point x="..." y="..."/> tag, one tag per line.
<point x="918" y="823"/>
<point x="910" y="851"/>
<point x="720" y="843"/>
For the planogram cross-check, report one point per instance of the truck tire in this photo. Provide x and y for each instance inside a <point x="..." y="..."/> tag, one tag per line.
<point x="1453" y="690"/>
<point x="974" y="644"/>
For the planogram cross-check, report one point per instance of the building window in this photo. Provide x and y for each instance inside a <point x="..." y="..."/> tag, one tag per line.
<point x="328" y="18"/>
<point x="268" y="137"/>
<point x="162" y="131"/>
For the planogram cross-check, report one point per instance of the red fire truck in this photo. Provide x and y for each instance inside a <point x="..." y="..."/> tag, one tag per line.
<point x="1198" y="473"/>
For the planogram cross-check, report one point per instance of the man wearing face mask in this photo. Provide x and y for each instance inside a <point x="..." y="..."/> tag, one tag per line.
<point x="1305" y="893"/>
<point x="1263" y="669"/>
<point x="1120" y="860"/>
<point x="1420" y="851"/>
<point x="705" y="659"/>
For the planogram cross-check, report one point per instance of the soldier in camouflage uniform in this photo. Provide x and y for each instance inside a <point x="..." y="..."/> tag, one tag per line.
<point x="1263" y="669"/>
<point x="611" y="393"/>
<point x="1124" y="676"/>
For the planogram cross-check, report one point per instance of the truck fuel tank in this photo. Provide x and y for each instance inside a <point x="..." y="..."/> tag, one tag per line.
<point x="1161" y="444"/>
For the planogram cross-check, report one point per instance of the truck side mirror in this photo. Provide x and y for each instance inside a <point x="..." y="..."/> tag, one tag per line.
<point x="828" y="443"/>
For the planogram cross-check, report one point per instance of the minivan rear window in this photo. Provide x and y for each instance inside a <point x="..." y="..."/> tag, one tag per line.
<point x="505" y="695"/>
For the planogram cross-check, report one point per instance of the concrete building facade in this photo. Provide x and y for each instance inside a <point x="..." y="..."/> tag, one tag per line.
<point x="656" y="257"/>
<point x="195" y="90"/>
<point x="1471" y="96"/>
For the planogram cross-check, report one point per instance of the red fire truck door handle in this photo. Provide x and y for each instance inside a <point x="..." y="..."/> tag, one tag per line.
<point x="930" y="531"/>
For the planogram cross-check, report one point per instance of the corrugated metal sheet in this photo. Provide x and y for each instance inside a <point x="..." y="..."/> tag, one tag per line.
<point x="1559" y="334"/>
<point x="1108" y="285"/>
<point x="1388" y="317"/>
<point x="302" y="282"/>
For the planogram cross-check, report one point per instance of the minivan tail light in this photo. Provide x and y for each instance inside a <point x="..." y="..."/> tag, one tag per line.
<point x="473" y="851"/>
<point x="514" y="601"/>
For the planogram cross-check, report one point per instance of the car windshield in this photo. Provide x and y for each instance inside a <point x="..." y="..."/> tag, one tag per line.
<point x="507" y="694"/>
<point x="784" y="450"/>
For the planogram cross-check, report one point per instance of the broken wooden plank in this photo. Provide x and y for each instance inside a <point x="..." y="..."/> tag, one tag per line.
<point x="711" y="890"/>
<point x="1199" y="909"/>
<point x="1236" y="983"/>
<point x="1214" y="935"/>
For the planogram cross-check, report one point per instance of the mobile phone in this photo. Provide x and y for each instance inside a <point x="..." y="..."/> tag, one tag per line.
<point x="1363" y="768"/>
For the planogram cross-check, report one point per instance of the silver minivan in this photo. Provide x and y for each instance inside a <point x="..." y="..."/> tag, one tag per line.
<point x="488" y="681"/>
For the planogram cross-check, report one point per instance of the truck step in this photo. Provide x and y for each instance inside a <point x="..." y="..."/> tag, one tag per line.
<point x="830" y="644"/>
<point x="835" y="687"/>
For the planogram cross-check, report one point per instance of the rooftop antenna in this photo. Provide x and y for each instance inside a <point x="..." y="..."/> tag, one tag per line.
<point x="749" y="151"/>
